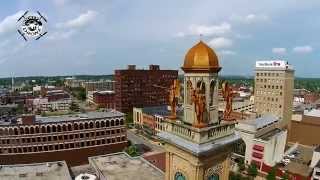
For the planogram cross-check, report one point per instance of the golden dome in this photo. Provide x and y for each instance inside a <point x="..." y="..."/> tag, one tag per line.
<point x="201" y="58"/>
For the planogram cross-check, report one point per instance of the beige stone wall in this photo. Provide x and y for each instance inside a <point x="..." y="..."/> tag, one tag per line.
<point x="195" y="168"/>
<point x="274" y="93"/>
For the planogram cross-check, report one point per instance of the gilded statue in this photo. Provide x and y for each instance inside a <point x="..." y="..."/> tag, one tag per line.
<point x="228" y="96"/>
<point x="174" y="93"/>
<point x="199" y="101"/>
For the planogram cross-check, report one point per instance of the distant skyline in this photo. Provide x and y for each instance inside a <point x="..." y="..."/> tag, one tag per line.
<point x="95" y="37"/>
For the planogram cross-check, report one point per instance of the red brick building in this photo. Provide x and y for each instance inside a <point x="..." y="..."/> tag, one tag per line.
<point x="104" y="99"/>
<point x="139" y="87"/>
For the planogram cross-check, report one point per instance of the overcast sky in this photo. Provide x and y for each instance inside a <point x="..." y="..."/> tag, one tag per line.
<point x="98" y="36"/>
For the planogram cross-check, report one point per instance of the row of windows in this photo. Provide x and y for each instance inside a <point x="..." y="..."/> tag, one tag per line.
<point x="60" y="128"/>
<point x="62" y="137"/>
<point x="271" y="86"/>
<point x="270" y="93"/>
<point x="56" y="147"/>
<point x="268" y="80"/>
<point x="270" y="74"/>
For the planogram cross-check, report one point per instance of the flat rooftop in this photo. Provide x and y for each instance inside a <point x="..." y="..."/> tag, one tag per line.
<point x="261" y="121"/>
<point x="72" y="117"/>
<point x="39" y="171"/>
<point x="120" y="166"/>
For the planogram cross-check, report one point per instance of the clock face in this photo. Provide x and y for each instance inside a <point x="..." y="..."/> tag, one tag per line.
<point x="179" y="176"/>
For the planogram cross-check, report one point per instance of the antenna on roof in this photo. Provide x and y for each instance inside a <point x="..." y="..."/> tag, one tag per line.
<point x="200" y="37"/>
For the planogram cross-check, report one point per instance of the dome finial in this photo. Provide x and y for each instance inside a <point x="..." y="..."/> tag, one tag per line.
<point x="200" y="36"/>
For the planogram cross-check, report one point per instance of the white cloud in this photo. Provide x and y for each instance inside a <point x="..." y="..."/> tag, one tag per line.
<point x="60" y="35"/>
<point x="302" y="49"/>
<point x="210" y="30"/>
<point x="9" y="23"/>
<point x="280" y="51"/>
<point x="206" y="30"/>
<point x="81" y="21"/>
<point x="221" y="42"/>
<point x="250" y="18"/>
<point x="227" y="52"/>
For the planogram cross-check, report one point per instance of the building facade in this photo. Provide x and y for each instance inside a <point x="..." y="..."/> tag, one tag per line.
<point x="273" y="92"/>
<point x="263" y="142"/>
<point x="70" y="138"/>
<point x="139" y="88"/>
<point x="103" y="85"/>
<point x="151" y="119"/>
<point x="102" y="99"/>
<point x="305" y="128"/>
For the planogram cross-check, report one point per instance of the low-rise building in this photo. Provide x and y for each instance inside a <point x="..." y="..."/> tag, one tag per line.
<point x="102" y="99"/>
<point x="305" y="128"/>
<point x="264" y="142"/>
<point x="72" y="138"/>
<point x="38" y="171"/>
<point x="122" y="166"/>
<point x="151" y="119"/>
<point x="102" y="85"/>
<point x="44" y="105"/>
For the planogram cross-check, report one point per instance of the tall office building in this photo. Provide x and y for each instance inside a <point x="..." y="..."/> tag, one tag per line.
<point x="141" y="87"/>
<point x="274" y="81"/>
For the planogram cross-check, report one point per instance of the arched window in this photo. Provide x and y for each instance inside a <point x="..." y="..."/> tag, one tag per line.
<point x="112" y="122"/>
<point x="102" y="124"/>
<point x="43" y="129"/>
<point x="11" y="131"/>
<point x="54" y="129"/>
<point x="64" y="127"/>
<point x="117" y="122"/>
<point x="179" y="176"/>
<point x="26" y="130"/>
<point x="69" y="127"/>
<point x="81" y="126"/>
<point x="97" y="124"/>
<point x="189" y="92"/>
<point x="31" y="130"/>
<point x="48" y="129"/>
<point x="213" y="177"/>
<point x="86" y="125"/>
<point x="121" y="122"/>
<point x="212" y="88"/>
<point x="59" y="128"/>
<point x="15" y="131"/>
<point x="107" y="123"/>
<point x="91" y="125"/>
<point x="201" y="86"/>
<point x="37" y="129"/>
<point x="75" y="126"/>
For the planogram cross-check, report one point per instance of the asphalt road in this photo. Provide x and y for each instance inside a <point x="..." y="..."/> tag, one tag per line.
<point x="135" y="139"/>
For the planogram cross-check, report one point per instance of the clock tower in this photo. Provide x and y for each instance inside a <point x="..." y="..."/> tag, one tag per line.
<point x="198" y="145"/>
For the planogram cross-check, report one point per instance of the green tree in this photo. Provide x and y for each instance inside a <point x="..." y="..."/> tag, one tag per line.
<point x="253" y="171"/>
<point x="132" y="151"/>
<point x="129" y="118"/>
<point x="241" y="165"/>
<point x="272" y="174"/>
